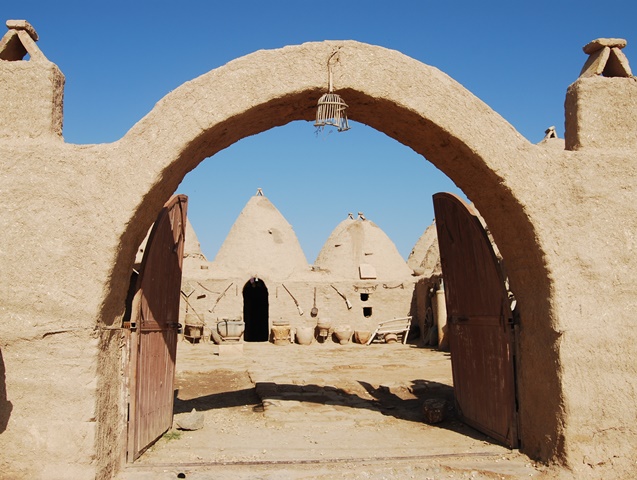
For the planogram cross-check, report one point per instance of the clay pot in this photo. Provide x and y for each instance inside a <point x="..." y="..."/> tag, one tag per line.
<point x="343" y="334"/>
<point x="193" y="328"/>
<point x="324" y="323"/>
<point x="362" y="336"/>
<point x="304" y="335"/>
<point x="194" y="332"/>
<point x="231" y="329"/>
<point x="210" y="329"/>
<point x="281" y="333"/>
<point x="391" y="338"/>
<point x="214" y="334"/>
<point x="323" y="327"/>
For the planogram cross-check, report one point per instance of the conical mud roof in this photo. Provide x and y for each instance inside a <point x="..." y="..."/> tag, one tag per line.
<point x="192" y="247"/>
<point x="424" y="258"/>
<point x="194" y="258"/>
<point x="360" y="250"/>
<point x="261" y="242"/>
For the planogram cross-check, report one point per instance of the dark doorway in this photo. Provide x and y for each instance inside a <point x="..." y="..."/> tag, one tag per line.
<point x="255" y="311"/>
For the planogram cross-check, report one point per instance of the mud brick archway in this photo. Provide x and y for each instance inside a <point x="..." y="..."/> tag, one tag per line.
<point x="415" y="104"/>
<point x="562" y="213"/>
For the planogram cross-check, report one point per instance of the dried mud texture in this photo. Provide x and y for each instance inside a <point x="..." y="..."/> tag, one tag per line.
<point x="319" y="411"/>
<point x="356" y="242"/>
<point x="564" y="220"/>
<point x="261" y="242"/>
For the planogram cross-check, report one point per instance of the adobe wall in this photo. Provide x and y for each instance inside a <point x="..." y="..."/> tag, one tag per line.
<point x="387" y="300"/>
<point x="74" y="215"/>
<point x="37" y="115"/>
<point x="31" y="91"/>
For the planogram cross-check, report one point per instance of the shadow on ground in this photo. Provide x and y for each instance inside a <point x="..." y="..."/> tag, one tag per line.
<point x="400" y="402"/>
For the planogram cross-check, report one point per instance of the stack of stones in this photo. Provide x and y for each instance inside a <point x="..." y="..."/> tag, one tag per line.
<point x="606" y="58"/>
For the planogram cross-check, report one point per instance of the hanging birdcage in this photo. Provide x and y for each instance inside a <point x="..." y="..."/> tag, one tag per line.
<point x="331" y="111"/>
<point x="331" y="107"/>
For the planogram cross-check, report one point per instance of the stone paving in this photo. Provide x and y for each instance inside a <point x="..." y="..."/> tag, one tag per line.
<point x="318" y="411"/>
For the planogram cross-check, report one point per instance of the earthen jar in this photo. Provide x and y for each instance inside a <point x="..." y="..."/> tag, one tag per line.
<point x="231" y="329"/>
<point x="362" y="336"/>
<point x="214" y="334"/>
<point x="304" y="335"/>
<point x="391" y="338"/>
<point x="281" y="333"/>
<point x="193" y="327"/>
<point x="324" y="325"/>
<point x="343" y="334"/>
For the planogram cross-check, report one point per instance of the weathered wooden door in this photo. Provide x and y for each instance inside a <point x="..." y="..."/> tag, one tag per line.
<point x="154" y="337"/>
<point x="479" y="320"/>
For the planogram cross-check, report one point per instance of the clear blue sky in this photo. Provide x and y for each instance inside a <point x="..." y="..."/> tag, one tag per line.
<point x="121" y="57"/>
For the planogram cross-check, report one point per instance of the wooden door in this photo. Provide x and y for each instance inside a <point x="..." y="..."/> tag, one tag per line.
<point x="479" y="320"/>
<point x="154" y="337"/>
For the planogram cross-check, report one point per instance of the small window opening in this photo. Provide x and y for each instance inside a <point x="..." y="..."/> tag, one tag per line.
<point x="367" y="312"/>
<point x="364" y="297"/>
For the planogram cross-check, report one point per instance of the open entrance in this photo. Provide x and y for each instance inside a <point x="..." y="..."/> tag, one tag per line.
<point x="256" y="311"/>
<point x="448" y="126"/>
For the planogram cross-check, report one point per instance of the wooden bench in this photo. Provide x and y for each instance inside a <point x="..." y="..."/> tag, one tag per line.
<point x="396" y="325"/>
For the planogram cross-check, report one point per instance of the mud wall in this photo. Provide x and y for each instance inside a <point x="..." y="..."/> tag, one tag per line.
<point x="386" y="301"/>
<point x="32" y="97"/>
<point x="73" y="217"/>
<point x="53" y="274"/>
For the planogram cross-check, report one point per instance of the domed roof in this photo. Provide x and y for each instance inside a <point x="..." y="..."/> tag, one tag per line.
<point x="424" y="258"/>
<point x="261" y="242"/>
<point x="194" y="259"/>
<point x="192" y="247"/>
<point x="360" y="250"/>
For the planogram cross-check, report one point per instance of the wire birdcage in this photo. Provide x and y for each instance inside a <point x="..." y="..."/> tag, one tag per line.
<point x="331" y="107"/>
<point x="331" y="111"/>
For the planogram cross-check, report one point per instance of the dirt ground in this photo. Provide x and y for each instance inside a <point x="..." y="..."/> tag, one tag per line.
<point x="320" y="411"/>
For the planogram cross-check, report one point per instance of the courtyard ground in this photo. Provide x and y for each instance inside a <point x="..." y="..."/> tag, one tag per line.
<point x="320" y="411"/>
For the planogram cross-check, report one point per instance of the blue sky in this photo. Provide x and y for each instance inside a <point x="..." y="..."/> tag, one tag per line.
<point x="121" y="57"/>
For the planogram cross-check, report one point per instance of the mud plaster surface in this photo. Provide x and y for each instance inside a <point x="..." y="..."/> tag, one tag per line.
<point x="320" y="411"/>
<point x="569" y="250"/>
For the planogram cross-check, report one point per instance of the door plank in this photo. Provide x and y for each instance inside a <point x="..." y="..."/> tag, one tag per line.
<point x="481" y="339"/>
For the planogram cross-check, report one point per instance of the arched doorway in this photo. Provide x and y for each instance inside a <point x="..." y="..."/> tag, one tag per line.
<point x="256" y="311"/>
<point x="413" y="103"/>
